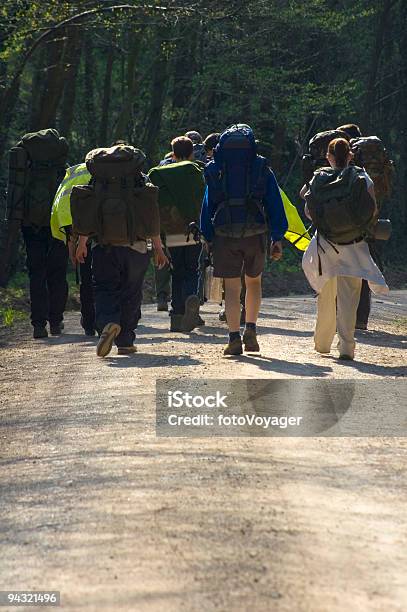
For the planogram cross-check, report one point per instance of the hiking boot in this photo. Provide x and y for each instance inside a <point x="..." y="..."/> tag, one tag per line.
<point x="222" y="315"/>
<point x="190" y="318"/>
<point x="250" y="341"/>
<point x="176" y="323"/>
<point x="109" y="333"/>
<point x="162" y="303"/>
<point x="126" y="350"/>
<point x="40" y="332"/>
<point x="56" y="329"/>
<point x="243" y="316"/>
<point x="234" y="347"/>
<point x="345" y="357"/>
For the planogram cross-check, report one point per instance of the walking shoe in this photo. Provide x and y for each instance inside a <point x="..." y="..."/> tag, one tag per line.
<point x="344" y="357"/>
<point x="162" y="303"/>
<point x="109" y="333"/>
<point x="176" y="323"/>
<point x="126" y="350"/>
<point x="234" y="347"/>
<point x="190" y="318"/>
<point x="56" y="329"/>
<point x="360" y="325"/>
<point x="250" y="341"/>
<point x="39" y="332"/>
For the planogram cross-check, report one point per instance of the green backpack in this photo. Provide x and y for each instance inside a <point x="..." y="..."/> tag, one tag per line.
<point x="119" y="206"/>
<point x="36" y="167"/>
<point x="340" y="205"/>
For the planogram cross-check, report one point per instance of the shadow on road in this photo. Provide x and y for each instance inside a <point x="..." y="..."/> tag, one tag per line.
<point x="270" y="364"/>
<point x="148" y="360"/>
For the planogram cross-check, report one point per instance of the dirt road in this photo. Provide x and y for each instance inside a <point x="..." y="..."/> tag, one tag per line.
<point x="94" y="505"/>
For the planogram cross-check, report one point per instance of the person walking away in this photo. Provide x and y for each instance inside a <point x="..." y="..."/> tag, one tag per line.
<point x="370" y="154"/>
<point x="181" y="186"/>
<point x="242" y="210"/>
<point x="61" y="228"/>
<point x="37" y="166"/>
<point x="340" y="200"/>
<point x="210" y="143"/>
<point x="119" y="211"/>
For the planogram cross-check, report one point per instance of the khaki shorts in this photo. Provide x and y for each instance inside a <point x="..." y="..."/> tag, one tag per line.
<point x="234" y="256"/>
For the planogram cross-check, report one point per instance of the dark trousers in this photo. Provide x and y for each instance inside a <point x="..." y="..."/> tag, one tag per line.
<point x="47" y="261"/>
<point x="185" y="263"/>
<point x="86" y="293"/>
<point x="163" y="283"/>
<point x="118" y="274"/>
<point x="365" y="301"/>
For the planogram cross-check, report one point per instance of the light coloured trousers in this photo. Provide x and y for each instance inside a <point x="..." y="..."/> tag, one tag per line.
<point x="337" y="306"/>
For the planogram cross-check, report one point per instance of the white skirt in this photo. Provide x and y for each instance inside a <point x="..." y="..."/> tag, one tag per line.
<point x="351" y="260"/>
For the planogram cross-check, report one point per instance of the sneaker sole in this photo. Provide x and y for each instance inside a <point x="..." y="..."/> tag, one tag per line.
<point x="189" y="321"/>
<point x="109" y="333"/>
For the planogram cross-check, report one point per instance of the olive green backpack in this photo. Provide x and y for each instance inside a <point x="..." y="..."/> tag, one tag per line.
<point x="36" y="167"/>
<point x="340" y="205"/>
<point x="119" y="206"/>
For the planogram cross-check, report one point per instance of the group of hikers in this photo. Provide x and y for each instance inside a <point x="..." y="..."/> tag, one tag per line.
<point x="213" y="202"/>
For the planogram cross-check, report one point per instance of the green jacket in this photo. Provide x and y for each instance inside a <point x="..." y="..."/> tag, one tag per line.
<point x="182" y="187"/>
<point x="61" y="207"/>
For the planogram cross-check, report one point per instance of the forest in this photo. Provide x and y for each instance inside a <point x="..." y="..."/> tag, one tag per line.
<point x="145" y="72"/>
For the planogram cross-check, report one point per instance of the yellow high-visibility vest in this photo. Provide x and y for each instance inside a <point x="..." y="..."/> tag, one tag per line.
<point x="296" y="233"/>
<point x="61" y="206"/>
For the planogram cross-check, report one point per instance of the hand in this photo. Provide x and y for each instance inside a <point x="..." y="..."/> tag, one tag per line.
<point x="276" y="250"/>
<point x="71" y="252"/>
<point x="81" y="252"/>
<point x="160" y="258"/>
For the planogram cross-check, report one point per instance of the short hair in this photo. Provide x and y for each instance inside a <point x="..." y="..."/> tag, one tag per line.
<point x="351" y="129"/>
<point x="194" y="136"/>
<point x="211" y="141"/>
<point x="182" y="147"/>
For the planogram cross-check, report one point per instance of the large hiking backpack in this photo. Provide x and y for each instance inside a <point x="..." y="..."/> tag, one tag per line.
<point x="36" y="167"/>
<point x="340" y="205"/>
<point x="237" y="178"/>
<point x="119" y="206"/>
<point x="370" y="153"/>
<point x="317" y="152"/>
<point x="182" y="187"/>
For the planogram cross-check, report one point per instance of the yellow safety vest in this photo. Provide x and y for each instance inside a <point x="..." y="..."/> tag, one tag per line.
<point x="61" y="206"/>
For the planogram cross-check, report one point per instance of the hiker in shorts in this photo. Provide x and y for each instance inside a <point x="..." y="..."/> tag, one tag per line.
<point x="340" y="200"/>
<point x="181" y="186"/>
<point x="37" y="166"/>
<point x="370" y="154"/>
<point x="241" y="212"/>
<point x="119" y="211"/>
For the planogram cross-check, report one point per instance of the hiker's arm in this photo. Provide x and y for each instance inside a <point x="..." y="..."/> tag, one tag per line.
<point x="274" y="207"/>
<point x="82" y="249"/>
<point x="206" y="216"/>
<point x="303" y="191"/>
<point x="160" y="257"/>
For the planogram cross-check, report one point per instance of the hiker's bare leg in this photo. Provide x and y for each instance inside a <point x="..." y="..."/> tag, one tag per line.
<point x="253" y="298"/>
<point x="232" y="303"/>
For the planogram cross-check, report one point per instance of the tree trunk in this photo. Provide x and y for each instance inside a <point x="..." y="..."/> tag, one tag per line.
<point x="73" y="60"/>
<point x="89" y="101"/>
<point x="107" y="88"/>
<point x="383" y="21"/>
<point x="157" y="98"/>
<point x="121" y="130"/>
<point x="54" y="84"/>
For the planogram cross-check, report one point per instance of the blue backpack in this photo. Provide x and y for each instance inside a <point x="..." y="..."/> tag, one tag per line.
<point x="237" y="178"/>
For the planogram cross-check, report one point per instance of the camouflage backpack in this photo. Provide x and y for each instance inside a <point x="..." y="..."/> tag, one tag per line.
<point x="318" y="147"/>
<point x="370" y="153"/>
<point x="36" y="167"/>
